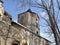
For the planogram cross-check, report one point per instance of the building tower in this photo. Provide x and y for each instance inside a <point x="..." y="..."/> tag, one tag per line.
<point x="30" y="20"/>
<point x="4" y="16"/>
<point x="1" y="10"/>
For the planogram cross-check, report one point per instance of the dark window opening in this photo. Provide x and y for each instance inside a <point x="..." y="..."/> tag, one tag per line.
<point x="16" y="43"/>
<point x="37" y="32"/>
<point x="0" y="15"/>
<point x="36" y="19"/>
<point x="4" y="13"/>
<point x="36" y="25"/>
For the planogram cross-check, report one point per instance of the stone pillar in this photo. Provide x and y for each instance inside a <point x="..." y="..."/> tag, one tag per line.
<point x="28" y="38"/>
<point x="1" y="10"/>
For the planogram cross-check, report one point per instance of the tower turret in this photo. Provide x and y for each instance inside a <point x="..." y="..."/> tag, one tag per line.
<point x="30" y="20"/>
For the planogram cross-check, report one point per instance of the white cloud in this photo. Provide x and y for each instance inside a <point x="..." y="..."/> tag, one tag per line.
<point x="43" y="14"/>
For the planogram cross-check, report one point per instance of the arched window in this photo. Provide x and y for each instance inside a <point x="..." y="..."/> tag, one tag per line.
<point x="16" y="43"/>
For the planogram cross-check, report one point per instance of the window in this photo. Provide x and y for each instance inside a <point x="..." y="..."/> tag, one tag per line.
<point x="37" y="32"/>
<point x="0" y="15"/>
<point x="36" y="25"/>
<point x="16" y="43"/>
<point x="36" y="19"/>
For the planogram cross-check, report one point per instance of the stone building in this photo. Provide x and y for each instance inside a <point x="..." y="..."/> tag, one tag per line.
<point x="24" y="32"/>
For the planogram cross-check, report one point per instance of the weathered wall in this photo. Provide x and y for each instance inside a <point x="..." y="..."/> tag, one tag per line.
<point x="44" y="41"/>
<point x="3" y="32"/>
<point x="10" y="34"/>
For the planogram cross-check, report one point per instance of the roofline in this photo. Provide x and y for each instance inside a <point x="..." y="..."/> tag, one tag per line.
<point x="8" y="14"/>
<point x="30" y="12"/>
<point x="30" y="30"/>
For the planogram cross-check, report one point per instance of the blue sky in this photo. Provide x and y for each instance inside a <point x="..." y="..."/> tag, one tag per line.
<point x="11" y="7"/>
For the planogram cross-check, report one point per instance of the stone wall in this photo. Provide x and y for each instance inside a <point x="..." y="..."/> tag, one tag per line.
<point x="16" y="34"/>
<point x="4" y="27"/>
<point x="9" y="34"/>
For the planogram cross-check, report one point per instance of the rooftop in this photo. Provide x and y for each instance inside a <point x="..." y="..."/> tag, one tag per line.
<point x="29" y="10"/>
